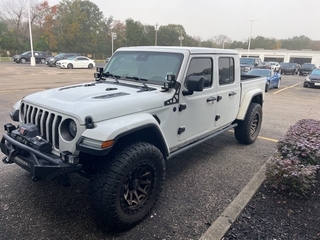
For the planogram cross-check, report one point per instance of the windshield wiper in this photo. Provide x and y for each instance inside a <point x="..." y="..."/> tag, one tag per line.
<point x="139" y="80"/>
<point x="115" y="77"/>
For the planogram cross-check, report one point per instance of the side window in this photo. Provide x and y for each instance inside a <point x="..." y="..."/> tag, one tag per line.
<point x="226" y="70"/>
<point x="201" y="67"/>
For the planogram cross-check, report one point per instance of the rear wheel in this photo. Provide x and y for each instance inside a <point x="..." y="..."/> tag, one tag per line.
<point x="90" y="66"/>
<point x="69" y="66"/>
<point x="127" y="186"/>
<point x="43" y="61"/>
<point x="248" y="130"/>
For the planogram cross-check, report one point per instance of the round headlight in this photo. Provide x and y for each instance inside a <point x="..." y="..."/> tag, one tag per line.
<point x="68" y="129"/>
<point x="72" y="128"/>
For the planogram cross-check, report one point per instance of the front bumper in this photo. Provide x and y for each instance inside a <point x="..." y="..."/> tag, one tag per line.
<point x="292" y="71"/>
<point x="38" y="164"/>
<point x="305" y="72"/>
<point x="312" y="83"/>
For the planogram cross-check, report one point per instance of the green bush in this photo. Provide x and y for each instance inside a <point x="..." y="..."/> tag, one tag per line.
<point x="292" y="169"/>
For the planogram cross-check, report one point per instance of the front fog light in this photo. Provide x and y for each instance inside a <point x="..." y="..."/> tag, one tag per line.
<point x="68" y="157"/>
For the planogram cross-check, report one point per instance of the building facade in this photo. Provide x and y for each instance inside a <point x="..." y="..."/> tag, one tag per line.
<point x="283" y="55"/>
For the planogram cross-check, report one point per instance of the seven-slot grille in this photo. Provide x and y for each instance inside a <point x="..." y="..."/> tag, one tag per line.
<point x="48" y="122"/>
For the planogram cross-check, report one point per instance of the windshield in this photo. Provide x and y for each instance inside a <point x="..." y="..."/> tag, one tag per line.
<point x="315" y="72"/>
<point x="260" y="72"/>
<point x="308" y="65"/>
<point x="71" y="58"/>
<point x="288" y="65"/>
<point x="249" y="61"/>
<point x="59" y="55"/>
<point x="25" y="53"/>
<point x="152" y="67"/>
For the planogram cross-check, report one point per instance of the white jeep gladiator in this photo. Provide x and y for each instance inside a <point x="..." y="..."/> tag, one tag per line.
<point x="147" y="105"/>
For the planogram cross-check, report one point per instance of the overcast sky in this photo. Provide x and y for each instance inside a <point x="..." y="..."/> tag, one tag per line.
<point x="280" y="19"/>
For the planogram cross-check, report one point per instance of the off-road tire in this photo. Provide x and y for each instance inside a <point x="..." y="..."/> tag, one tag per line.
<point x="126" y="187"/>
<point x="248" y="130"/>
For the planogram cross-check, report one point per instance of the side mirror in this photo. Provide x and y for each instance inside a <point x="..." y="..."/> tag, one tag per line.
<point x="194" y="84"/>
<point x="98" y="75"/>
<point x="99" y="69"/>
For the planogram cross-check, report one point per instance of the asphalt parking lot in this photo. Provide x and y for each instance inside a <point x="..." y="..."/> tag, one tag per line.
<point x="199" y="184"/>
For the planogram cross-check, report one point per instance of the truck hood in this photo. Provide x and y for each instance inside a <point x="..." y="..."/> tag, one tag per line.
<point x="101" y="101"/>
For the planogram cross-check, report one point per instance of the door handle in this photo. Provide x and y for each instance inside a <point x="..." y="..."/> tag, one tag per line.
<point x="232" y="94"/>
<point x="211" y="99"/>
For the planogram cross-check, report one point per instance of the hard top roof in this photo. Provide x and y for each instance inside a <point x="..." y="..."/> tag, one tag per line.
<point x="192" y="50"/>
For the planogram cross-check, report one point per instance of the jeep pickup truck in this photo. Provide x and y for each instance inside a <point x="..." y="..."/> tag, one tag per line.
<point x="147" y="105"/>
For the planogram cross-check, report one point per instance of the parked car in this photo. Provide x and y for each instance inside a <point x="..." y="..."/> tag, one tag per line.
<point x="313" y="79"/>
<point x="246" y="64"/>
<point x="40" y="57"/>
<point x="76" y="62"/>
<point x="51" y="62"/>
<point x="290" y="68"/>
<point x="273" y="78"/>
<point x="275" y="66"/>
<point x="307" y="68"/>
<point x="265" y="65"/>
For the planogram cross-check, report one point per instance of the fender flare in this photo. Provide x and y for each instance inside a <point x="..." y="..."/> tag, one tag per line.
<point x="117" y="128"/>
<point x="254" y="95"/>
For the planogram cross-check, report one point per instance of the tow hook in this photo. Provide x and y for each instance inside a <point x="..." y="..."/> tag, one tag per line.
<point x="6" y="160"/>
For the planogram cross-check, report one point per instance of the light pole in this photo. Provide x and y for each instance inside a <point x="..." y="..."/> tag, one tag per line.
<point x="113" y="36"/>
<point x="32" y="59"/>
<point x="181" y="38"/>
<point x="156" y="38"/>
<point x="250" y="36"/>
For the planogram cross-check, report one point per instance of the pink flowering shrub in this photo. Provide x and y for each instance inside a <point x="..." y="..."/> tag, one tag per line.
<point x="292" y="169"/>
<point x="302" y="140"/>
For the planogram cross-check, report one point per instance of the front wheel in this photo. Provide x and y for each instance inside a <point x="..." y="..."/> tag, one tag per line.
<point x="90" y="66"/>
<point x="248" y="130"/>
<point x="69" y="66"/>
<point x="23" y="61"/>
<point x="267" y="86"/>
<point x="278" y="84"/>
<point x="127" y="186"/>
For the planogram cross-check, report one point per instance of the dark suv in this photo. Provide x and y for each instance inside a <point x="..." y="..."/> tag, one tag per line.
<point x="51" y="62"/>
<point x="40" y="57"/>
<point x="307" y="68"/>
<point x="290" y="68"/>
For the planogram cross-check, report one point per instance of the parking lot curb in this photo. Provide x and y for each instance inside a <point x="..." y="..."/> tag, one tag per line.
<point x="222" y="224"/>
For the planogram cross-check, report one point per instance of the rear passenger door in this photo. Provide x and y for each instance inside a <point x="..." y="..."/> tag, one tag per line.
<point x="228" y="91"/>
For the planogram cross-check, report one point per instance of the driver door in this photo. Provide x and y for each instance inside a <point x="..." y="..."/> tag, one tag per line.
<point x="197" y="110"/>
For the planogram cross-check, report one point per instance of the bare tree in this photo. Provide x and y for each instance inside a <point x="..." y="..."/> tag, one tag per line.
<point x="221" y="40"/>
